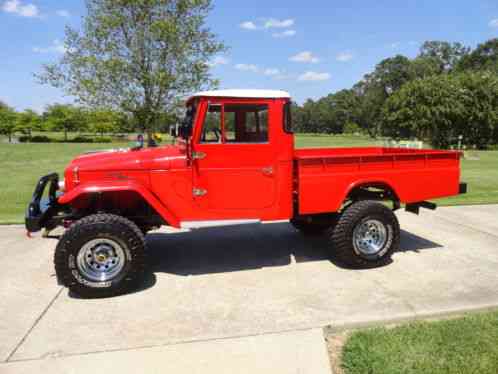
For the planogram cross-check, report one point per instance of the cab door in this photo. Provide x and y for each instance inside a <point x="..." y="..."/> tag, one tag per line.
<point x="235" y="169"/>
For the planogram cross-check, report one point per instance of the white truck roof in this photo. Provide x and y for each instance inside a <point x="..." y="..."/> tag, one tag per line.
<point x="253" y="94"/>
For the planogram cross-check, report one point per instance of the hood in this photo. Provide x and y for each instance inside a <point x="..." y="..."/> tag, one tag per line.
<point x="128" y="159"/>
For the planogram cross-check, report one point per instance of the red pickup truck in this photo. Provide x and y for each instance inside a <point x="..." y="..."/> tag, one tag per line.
<point x="233" y="163"/>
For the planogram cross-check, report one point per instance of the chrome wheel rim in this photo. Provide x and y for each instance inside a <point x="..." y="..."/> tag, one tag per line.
<point x="101" y="259"/>
<point x="369" y="237"/>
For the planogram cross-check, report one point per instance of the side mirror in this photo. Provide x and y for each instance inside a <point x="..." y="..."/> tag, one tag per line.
<point x="173" y="131"/>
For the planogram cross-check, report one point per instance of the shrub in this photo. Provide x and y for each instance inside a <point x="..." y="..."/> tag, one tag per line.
<point x="37" y="139"/>
<point x="351" y="128"/>
<point x="103" y="140"/>
<point x="80" y="139"/>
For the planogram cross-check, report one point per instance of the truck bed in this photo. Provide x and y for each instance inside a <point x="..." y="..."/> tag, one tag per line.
<point x="325" y="176"/>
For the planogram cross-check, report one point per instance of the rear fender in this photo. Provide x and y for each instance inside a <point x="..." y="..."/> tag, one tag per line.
<point x="371" y="183"/>
<point x="112" y="186"/>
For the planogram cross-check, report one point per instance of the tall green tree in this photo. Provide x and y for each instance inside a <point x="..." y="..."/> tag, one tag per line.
<point x="447" y="54"/>
<point x="392" y="73"/>
<point x="28" y="121"/>
<point x="484" y="57"/>
<point x="65" y="117"/>
<point x="104" y="121"/>
<point x="8" y="120"/>
<point x="441" y="108"/>
<point x="137" y="56"/>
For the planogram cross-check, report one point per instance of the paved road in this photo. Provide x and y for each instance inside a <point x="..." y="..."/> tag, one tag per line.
<point x="226" y="297"/>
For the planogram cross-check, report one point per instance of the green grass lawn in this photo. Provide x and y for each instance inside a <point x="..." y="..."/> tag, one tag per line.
<point x="459" y="346"/>
<point x="22" y="164"/>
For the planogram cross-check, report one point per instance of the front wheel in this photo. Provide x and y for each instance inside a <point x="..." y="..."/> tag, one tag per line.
<point x="366" y="235"/>
<point x="100" y="255"/>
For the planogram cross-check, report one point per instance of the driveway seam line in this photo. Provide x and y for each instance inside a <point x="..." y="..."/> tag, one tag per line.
<point x="38" y="319"/>
<point x="338" y="327"/>
<point x="171" y="344"/>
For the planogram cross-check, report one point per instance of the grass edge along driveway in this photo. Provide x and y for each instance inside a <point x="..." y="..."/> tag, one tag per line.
<point x="462" y="345"/>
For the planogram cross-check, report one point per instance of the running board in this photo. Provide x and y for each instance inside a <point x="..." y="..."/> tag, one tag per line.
<point x="217" y="223"/>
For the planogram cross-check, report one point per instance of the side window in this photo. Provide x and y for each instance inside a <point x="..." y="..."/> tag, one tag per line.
<point x="245" y="123"/>
<point x="211" y="131"/>
<point x="288" y="118"/>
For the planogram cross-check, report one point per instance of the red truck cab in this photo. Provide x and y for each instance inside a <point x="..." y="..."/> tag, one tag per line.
<point x="234" y="162"/>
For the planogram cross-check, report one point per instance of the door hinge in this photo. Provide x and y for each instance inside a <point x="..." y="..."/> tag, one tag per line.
<point x="199" y="192"/>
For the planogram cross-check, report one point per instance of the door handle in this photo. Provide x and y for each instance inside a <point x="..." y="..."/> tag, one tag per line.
<point x="267" y="170"/>
<point x="198" y="155"/>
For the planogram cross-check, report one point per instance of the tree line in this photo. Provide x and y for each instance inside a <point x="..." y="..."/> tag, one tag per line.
<point x="63" y="118"/>
<point x="448" y="91"/>
<point x="131" y="61"/>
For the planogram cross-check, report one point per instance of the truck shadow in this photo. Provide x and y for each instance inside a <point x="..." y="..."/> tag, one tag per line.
<point x="228" y="249"/>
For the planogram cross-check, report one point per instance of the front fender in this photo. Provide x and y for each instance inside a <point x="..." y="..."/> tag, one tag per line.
<point x="114" y="186"/>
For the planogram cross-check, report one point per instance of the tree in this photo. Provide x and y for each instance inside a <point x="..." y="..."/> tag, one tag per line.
<point x="8" y="120"/>
<point x="136" y="56"/>
<point x="28" y="121"/>
<point x="479" y="96"/>
<point x="424" y="66"/>
<point x="441" y="108"/>
<point x="392" y="73"/>
<point x="65" y="117"/>
<point x="484" y="57"/>
<point x="447" y="54"/>
<point x="104" y="121"/>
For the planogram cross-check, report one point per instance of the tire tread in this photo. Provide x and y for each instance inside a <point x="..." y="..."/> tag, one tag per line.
<point x="130" y="233"/>
<point x="341" y="236"/>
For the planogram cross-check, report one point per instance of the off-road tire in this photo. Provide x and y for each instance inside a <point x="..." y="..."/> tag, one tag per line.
<point x="341" y="236"/>
<point x="106" y="226"/>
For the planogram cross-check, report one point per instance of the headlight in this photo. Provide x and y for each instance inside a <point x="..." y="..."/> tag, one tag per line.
<point x="62" y="185"/>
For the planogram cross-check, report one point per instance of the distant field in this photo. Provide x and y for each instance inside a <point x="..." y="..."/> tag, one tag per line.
<point x="22" y="164"/>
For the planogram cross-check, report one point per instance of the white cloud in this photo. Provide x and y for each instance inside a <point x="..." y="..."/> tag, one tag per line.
<point x="56" y="47"/>
<point x="344" y="57"/>
<point x="218" y="60"/>
<point x="272" y="72"/>
<point x="248" y="25"/>
<point x="23" y="10"/>
<point x="284" y="34"/>
<point x="394" y="45"/>
<point x="247" y="67"/>
<point x="63" y="13"/>
<point x="306" y="57"/>
<point x="311" y="76"/>
<point x="494" y="23"/>
<point x="279" y="24"/>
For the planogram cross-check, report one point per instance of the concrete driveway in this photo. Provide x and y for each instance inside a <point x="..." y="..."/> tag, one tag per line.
<point x="241" y="295"/>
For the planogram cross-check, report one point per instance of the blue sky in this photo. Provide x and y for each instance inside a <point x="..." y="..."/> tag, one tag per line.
<point x="309" y="48"/>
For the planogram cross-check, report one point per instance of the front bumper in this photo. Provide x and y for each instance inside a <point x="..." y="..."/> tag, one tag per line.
<point x="41" y="211"/>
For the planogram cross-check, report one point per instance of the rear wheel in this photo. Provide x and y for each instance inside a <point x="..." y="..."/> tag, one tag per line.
<point x="366" y="235"/>
<point x="100" y="255"/>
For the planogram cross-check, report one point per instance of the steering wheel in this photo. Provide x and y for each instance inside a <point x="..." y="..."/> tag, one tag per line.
<point x="216" y="132"/>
